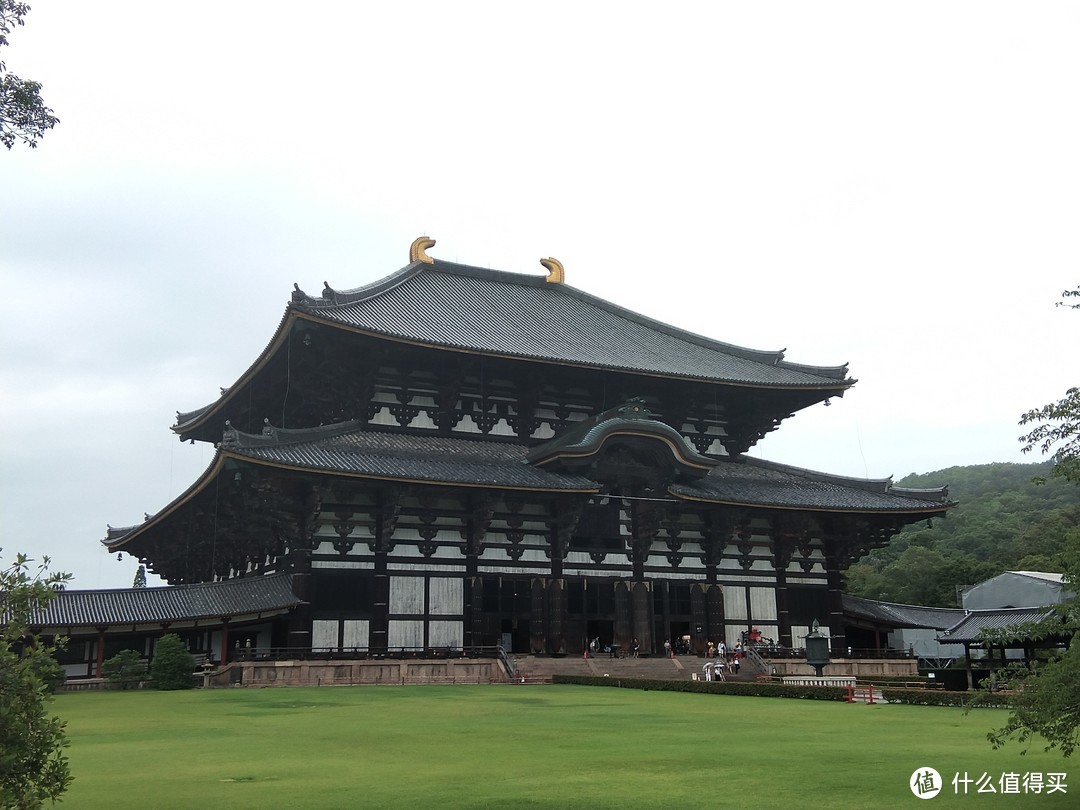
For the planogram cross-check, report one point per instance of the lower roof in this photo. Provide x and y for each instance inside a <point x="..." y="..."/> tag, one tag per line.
<point x="229" y="599"/>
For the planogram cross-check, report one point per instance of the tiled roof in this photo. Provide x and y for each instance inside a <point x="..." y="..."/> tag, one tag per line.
<point x="230" y="598"/>
<point x="348" y="448"/>
<point x="470" y="308"/>
<point x="901" y="615"/>
<point x="763" y="483"/>
<point x="971" y="627"/>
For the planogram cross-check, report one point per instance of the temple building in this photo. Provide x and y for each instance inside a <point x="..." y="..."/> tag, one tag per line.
<point x="453" y="457"/>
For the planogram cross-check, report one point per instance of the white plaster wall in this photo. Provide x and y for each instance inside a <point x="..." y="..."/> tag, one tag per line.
<point x="324" y="634"/>
<point x="735" y="603"/>
<point x="405" y="633"/>
<point x="445" y="634"/>
<point x="406" y="595"/>
<point x="357" y="633"/>
<point x="763" y="604"/>
<point x="445" y="596"/>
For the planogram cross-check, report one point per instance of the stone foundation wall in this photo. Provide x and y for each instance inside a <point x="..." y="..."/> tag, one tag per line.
<point x="336" y="673"/>
<point x="853" y="667"/>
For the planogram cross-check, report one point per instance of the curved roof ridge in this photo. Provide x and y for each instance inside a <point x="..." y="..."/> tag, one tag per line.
<point x="270" y="435"/>
<point x="882" y="485"/>
<point x="331" y="297"/>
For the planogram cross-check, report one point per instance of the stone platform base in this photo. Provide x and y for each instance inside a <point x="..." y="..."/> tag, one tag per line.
<point x="340" y="673"/>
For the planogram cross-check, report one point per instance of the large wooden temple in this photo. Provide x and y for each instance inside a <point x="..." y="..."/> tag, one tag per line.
<point x="455" y="456"/>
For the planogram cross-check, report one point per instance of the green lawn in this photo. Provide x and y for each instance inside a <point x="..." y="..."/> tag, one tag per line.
<point x="523" y="746"/>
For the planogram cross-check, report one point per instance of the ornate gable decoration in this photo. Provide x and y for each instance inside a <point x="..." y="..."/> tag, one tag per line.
<point x="629" y="436"/>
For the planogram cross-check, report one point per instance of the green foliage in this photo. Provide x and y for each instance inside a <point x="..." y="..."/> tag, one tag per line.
<point x="173" y="665"/>
<point x="33" y="768"/>
<point x="1004" y="521"/>
<point x="125" y="669"/>
<point x="140" y="578"/>
<point x="23" y="114"/>
<point x="1056" y="428"/>
<point x="1045" y="693"/>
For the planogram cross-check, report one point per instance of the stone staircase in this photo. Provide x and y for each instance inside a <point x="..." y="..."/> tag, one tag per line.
<point x="541" y="668"/>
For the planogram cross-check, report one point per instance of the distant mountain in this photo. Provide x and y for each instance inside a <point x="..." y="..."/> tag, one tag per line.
<point x="1004" y="522"/>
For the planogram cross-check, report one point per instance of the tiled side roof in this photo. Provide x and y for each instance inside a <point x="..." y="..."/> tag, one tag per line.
<point x="348" y="448"/>
<point x="234" y="597"/>
<point x="971" y="627"/>
<point x="447" y="304"/>
<point x="762" y="483"/>
<point x="901" y="615"/>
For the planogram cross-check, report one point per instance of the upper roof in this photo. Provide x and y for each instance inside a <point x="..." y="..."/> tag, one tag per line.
<point x="233" y="598"/>
<point x="495" y="313"/>
<point x="517" y="315"/>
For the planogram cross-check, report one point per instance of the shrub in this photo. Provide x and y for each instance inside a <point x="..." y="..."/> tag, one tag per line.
<point x="173" y="666"/>
<point x="125" y="669"/>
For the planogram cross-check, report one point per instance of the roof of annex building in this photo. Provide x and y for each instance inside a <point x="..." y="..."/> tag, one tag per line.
<point x="971" y="627"/>
<point x="898" y="615"/>
<point x="232" y="598"/>
<point x="1043" y="575"/>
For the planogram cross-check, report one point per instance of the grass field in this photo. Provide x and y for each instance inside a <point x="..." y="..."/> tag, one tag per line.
<point x="523" y="746"/>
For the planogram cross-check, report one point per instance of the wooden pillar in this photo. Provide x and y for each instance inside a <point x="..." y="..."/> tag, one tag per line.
<point x="556" y="600"/>
<point x="967" y="659"/>
<point x="224" y="639"/>
<point x="714" y="613"/>
<point x="642" y="602"/>
<point x="699" y="625"/>
<point x="538" y="610"/>
<point x="624" y="616"/>
<point x="100" y="652"/>
<point x="379" y="634"/>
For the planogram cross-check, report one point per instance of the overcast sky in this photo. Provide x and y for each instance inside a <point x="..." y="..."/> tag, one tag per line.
<point x="892" y="185"/>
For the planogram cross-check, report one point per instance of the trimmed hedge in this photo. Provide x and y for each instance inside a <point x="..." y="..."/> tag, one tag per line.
<point x="753" y="689"/>
<point x="912" y="697"/>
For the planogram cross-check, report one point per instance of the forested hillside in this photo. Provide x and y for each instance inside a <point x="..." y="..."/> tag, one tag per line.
<point x="1004" y="522"/>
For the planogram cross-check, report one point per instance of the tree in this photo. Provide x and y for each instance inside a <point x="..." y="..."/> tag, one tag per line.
<point x="125" y="669"/>
<point x="1046" y="701"/>
<point x="33" y="768"/>
<point x="140" y="578"/>
<point x="1057" y="424"/>
<point x="23" y="114"/>
<point x="173" y="665"/>
<point x="1046" y="693"/>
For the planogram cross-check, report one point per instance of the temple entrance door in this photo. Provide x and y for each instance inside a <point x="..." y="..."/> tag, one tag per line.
<point x="604" y="629"/>
<point x="520" y="636"/>
<point x="680" y="637"/>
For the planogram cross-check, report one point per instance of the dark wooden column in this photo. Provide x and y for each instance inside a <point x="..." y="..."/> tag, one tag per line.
<point x="715" y="626"/>
<point x="566" y="512"/>
<point x="788" y="532"/>
<point x="387" y="511"/>
<point x="474" y="532"/>
<point x="624" y="616"/>
<point x="644" y="527"/>
<point x="100" y="652"/>
<point x="224" y="657"/>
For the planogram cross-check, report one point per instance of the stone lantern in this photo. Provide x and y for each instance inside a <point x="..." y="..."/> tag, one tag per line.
<point x="817" y="648"/>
